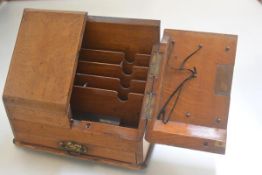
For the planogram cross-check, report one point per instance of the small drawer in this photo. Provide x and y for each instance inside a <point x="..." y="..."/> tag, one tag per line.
<point x="90" y="150"/>
<point x="72" y="148"/>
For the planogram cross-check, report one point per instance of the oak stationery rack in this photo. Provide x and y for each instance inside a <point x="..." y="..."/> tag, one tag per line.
<point x="107" y="89"/>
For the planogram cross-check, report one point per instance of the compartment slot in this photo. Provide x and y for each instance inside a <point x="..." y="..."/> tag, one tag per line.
<point x="114" y="57"/>
<point x="101" y="69"/>
<point x="102" y="102"/>
<point x="112" y="70"/>
<point x="102" y="56"/>
<point x="86" y="80"/>
<point x="141" y="60"/>
<point x="136" y="86"/>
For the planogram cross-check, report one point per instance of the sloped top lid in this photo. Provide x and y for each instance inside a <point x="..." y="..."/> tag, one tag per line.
<point x="44" y="59"/>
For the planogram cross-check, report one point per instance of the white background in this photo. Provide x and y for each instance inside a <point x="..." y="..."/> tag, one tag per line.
<point x="244" y="146"/>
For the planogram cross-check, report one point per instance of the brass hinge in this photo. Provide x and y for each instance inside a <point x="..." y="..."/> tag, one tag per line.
<point x="149" y="105"/>
<point x="155" y="64"/>
<point x="153" y="75"/>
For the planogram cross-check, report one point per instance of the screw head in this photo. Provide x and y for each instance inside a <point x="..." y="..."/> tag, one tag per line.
<point x="218" y="119"/>
<point x="227" y="49"/>
<point x="187" y="114"/>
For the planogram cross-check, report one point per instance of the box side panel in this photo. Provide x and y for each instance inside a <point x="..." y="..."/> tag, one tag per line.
<point x="38" y="115"/>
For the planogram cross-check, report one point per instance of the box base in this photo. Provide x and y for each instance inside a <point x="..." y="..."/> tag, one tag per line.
<point x="87" y="157"/>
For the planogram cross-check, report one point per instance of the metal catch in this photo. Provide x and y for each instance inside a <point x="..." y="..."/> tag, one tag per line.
<point x="72" y="148"/>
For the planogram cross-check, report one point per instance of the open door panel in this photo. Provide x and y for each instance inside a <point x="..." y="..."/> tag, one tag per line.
<point x="191" y="92"/>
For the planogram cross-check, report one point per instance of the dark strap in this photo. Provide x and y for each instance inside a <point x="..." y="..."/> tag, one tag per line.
<point x="193" y="73"/>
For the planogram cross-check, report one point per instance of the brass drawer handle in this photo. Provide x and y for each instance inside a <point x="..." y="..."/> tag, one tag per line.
<point x="72" y="148"/>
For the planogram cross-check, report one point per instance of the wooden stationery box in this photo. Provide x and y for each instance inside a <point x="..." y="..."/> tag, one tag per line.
<point x="107" y="89"/>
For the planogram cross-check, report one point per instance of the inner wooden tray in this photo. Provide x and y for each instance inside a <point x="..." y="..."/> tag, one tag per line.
<point x="112" y="71"/>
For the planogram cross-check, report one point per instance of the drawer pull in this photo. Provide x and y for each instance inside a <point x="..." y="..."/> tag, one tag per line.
<point x="72" y="148"/>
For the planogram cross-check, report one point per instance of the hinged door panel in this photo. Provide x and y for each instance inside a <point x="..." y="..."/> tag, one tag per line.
<point x="193" y="95"/>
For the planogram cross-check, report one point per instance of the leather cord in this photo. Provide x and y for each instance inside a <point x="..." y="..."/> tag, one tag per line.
<point x="193" y="72"/>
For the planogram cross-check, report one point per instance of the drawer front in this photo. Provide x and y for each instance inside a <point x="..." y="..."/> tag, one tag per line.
<point x="52" y="137"/>
<point x="91" y="150"/>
